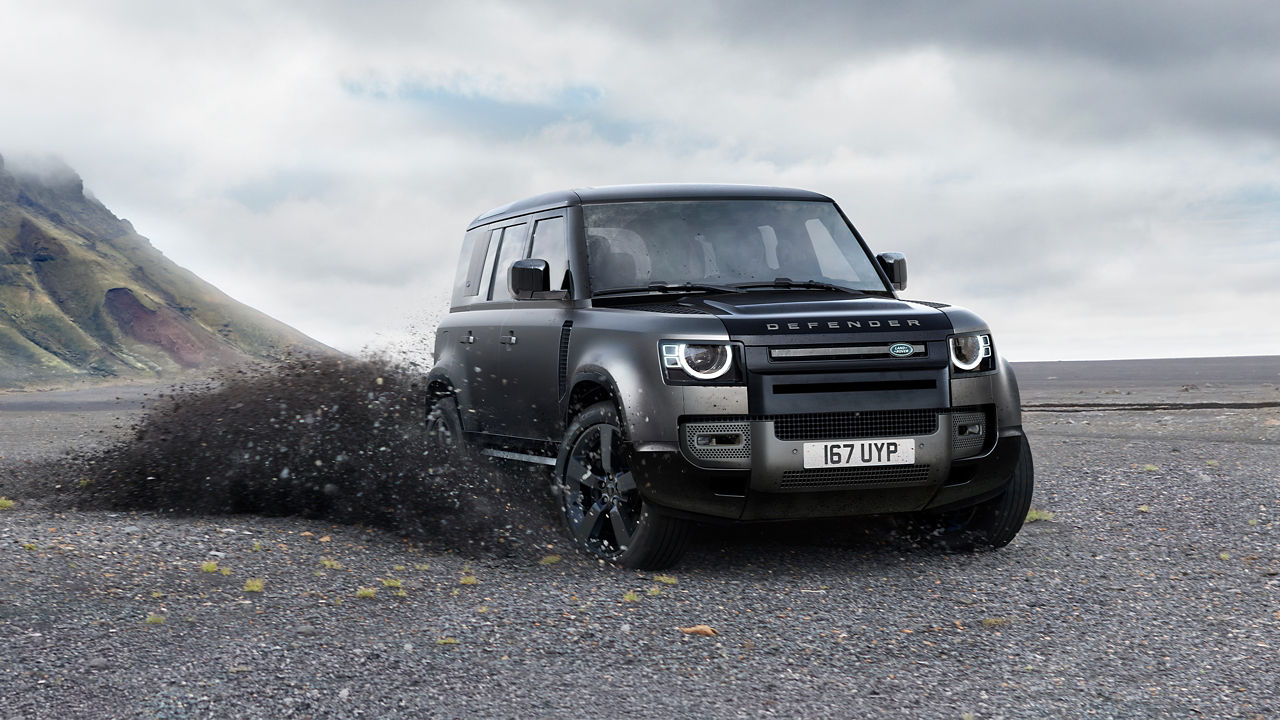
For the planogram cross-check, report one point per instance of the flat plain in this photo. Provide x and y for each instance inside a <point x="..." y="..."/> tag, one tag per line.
<point x="1150" y="587"/>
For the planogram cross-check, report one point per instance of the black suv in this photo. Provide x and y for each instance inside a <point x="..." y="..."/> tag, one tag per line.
<point x="694" y="352"/>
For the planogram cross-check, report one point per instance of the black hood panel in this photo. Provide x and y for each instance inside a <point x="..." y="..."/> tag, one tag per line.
<point x="806" y="316"/>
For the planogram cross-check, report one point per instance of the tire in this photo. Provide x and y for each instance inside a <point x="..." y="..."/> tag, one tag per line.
<point x="990" y="524"/>
<point x="600" y="501"/>
<point x="444" y="431"/>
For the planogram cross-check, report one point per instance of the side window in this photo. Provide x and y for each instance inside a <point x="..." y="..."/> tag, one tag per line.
<point x="486" y="274"/>
<point x="471" y="263"/>
<point x="514" y="242"/>
<point x="834" y="265"/>
<point x="549" y="245"/>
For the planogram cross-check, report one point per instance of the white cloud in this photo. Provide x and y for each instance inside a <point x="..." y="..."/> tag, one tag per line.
<point x="1091" y="192"/>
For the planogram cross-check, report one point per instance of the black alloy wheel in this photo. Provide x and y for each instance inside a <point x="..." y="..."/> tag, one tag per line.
<point x="602" y="502"/>
<point x="600" y="499"/>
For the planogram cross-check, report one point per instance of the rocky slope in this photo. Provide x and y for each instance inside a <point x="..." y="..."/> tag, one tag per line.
<point x="84" y="296"/>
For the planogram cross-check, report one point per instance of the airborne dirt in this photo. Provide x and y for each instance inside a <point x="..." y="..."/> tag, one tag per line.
<point x="406" y="588"/>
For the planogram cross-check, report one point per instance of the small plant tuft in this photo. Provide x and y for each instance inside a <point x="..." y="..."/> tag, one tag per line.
<point x="549" y="560"/>
<point x="6" y="503"/>
<point x="421" y="567"/>
<point x="447" y="641"/>
<point x="256" y="547"/>
<point x="1224" y="556"/>
<point x="995" y="621"/>
<point x="654" y="591"/>
<point x="225" y="572"/>
<point x="398" y="568"/>
<point x="1036" y="515"/>
<point x="253" y="585"/>
<point x="210" y="566"/>
<point x="631" y="596"/>
<point x="390" y="582"/>
<point x="366" y="592"/>
<point x="154" y="619"/>
<point x="665" y="579"/>
<point x="1149" y="468"/>
<point x="330" y="564"/>
<point x="30" y="546"/>
<point x="469" y="580"/>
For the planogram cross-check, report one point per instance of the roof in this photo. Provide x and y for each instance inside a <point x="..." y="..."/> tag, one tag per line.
<point x="631" y="193"/>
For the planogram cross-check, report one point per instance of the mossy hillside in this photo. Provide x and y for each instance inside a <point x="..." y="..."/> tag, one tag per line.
<point x="82" y="293"/>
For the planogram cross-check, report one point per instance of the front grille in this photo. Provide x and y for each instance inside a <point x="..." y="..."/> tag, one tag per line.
<point x="848" y="425"/>
<point x="862" y="351"/>
<point x="858" y="477"/>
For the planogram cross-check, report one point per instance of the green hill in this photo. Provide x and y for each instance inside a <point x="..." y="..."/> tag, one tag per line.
<point x="83" y="296"/>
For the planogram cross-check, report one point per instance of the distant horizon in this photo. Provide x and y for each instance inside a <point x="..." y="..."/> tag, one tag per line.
<point x="1094" y="182"/>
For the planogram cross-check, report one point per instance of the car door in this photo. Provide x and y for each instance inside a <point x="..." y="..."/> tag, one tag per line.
<point x="486" y="383"/>
<point x="533" y="333"/>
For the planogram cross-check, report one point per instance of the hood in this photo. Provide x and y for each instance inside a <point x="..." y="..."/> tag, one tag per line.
<point x="772" y="317"/>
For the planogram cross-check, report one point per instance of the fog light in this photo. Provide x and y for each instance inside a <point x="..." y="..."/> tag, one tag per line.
<point x="718" y="440"/>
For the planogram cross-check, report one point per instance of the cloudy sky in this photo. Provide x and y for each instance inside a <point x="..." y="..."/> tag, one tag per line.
<point x="1097" y="179"/>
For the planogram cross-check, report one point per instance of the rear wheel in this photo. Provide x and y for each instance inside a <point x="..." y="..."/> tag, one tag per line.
<point x="990" y="524"/>
<point x="600" y="500"/>
<point x="444" y="431"/>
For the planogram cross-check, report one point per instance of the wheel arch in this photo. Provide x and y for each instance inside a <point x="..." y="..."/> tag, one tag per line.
<point x="587" y="388"/>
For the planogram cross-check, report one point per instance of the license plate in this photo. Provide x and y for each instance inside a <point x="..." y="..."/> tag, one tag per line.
<point x="858" y="453"/>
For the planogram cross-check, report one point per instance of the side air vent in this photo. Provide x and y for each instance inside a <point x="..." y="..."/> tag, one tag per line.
<point x="562" y="377"/>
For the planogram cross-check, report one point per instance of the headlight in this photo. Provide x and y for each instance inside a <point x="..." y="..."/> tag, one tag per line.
<point x="969" y="351"/>
<point x="683" y="362"/>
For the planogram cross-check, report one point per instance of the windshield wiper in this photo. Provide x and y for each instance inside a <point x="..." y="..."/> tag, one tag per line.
<point x="671" y="288"/>
<point x="788" y="283"/>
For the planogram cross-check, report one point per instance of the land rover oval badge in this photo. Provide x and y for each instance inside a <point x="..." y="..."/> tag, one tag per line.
<point x="901" y="349"/>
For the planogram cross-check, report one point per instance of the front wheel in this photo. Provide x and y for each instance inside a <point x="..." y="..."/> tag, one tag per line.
<point x="990" y="524"/>
<point x="600" y="500"/>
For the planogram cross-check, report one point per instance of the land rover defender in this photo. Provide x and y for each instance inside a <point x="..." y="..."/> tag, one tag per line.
<point x="676" y="353"/>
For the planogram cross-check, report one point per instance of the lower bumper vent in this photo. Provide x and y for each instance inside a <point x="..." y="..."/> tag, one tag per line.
<point x="843" y="425"/>
<point x="862" y="477"/>
<point x="718" y="444"/>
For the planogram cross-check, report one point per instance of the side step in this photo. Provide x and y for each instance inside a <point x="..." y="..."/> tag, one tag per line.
<point x="522" y="457"/>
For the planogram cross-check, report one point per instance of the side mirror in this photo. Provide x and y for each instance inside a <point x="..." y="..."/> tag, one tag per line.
<point x="529" y="277"/>
<point x="895" y="266"/>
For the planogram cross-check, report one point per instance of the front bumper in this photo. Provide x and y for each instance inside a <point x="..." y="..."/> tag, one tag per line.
<point x="764" y="477"/>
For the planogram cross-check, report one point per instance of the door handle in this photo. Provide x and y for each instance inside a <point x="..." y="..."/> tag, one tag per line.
<point x="469" y="339"/>
<point x="508" y="339"/>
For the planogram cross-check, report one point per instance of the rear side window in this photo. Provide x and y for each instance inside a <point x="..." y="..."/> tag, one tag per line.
<point x="549" y="245"/>
<point x="471" y="263"/>
<point x="512" y="248"/>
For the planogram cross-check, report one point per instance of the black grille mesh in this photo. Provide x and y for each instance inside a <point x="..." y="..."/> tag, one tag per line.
<point x="884" y="476"/>
<point x="673" y="309"/>
<point x="847" y="425"/>
<point x="562" y="376"/>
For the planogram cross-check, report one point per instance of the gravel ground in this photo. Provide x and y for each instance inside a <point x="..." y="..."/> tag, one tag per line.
<point x="1153" y="591"/>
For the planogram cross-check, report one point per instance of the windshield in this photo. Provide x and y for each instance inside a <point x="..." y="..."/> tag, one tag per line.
<point x="723" y="242"/>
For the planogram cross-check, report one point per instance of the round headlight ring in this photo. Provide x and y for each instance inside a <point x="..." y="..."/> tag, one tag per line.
<point x="968" y="351"/>
<point x="705" y="361"/>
